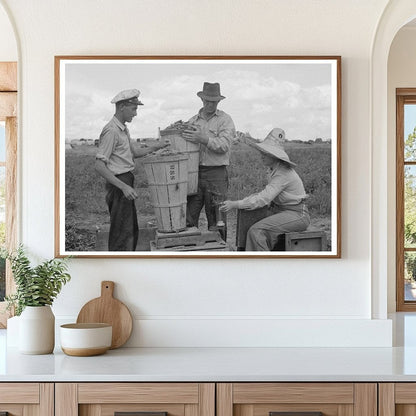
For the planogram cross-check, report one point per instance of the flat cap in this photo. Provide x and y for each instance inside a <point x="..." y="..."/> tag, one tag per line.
<point x="130" y="96"/>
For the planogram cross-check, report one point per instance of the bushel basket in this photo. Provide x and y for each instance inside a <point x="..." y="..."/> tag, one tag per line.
<point x="167" y="177"/>
<point x="179" y="144"/>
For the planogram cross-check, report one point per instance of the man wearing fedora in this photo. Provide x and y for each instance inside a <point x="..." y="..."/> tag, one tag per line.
<point x="115" y="163"/>
<point x="214" y="130"/>
<point x="284" y="194"/>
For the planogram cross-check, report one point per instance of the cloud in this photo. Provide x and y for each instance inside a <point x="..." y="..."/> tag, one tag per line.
<point x="317" y="98"/>
<point x="85" y="113"/>
<point x="250" y="85"/>
<point x="256" y="100"/>
<point x="261" y="108"/>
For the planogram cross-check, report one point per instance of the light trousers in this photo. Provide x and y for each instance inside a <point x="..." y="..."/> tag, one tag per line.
<point x="263" y="235"/>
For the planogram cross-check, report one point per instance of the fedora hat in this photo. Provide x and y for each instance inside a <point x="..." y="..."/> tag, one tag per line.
<point x="273" y="145"/>
<point x="210" y="92"/>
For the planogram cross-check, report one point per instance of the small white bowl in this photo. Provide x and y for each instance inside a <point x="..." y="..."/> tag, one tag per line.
<point x="83" y="340"/>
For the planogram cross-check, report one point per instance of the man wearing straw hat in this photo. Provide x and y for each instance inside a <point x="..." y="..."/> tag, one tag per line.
<point x="215" y="131"/>
<point x="115" y="163"/>
<point x="284" y="194"/>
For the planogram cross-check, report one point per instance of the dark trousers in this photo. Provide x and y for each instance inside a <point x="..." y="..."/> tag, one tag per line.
<point x="212" y="190"/>
<point x="124" y="229"/>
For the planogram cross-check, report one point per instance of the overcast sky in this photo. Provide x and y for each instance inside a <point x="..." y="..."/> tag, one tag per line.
<point x="295" y="96"/>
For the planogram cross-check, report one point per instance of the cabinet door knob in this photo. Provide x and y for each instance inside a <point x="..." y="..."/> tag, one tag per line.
<point x="295" y="413"/>
<point x="139" y="414"/>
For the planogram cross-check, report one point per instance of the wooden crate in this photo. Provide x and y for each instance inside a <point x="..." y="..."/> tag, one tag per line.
<point x="192" y="239"/>
<point x="204" y="247"/>
<point x="305" y="241"/>
<point x="245" y="219"/>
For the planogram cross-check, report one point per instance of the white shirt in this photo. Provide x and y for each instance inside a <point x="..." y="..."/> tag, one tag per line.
<point x="221" y="132"/>
<point x="114" y="147"/>
<point x="284" y="188"/>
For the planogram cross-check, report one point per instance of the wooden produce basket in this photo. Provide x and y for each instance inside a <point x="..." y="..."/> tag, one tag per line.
<point x="179" y="144"/>
<point x="167" y="177"/>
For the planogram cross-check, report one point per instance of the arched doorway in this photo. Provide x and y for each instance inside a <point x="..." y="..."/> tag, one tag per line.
<point x="395" y="16"/>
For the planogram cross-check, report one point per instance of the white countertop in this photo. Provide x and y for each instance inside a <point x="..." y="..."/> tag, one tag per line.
<point x="215" y="364"/>
<point x="222" y="364"/>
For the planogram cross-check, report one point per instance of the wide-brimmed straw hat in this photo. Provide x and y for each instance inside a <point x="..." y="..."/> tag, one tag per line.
<point x="210" y="92"/>
<point x="273" y="145"/>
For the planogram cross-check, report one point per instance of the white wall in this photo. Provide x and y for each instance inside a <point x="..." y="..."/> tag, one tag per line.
<point x="8" y="46"/>
<point x="401" y="74"/>
<point x="211" y="301"/>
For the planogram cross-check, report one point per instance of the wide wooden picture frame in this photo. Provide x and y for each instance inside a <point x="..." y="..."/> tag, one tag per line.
<point x="291" y="103"/>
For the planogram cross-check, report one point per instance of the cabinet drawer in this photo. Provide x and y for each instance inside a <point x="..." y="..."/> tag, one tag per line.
<point x="19" y="393"/>
<point x="397" y="399"/>
<point x="21" y="399"/>
<point x="148" y="399"/>
<point x="309" y="399"/>
<point x="138" y="393"/>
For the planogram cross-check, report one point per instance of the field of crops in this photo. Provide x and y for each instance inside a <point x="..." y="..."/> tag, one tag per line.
<point x="86" y="209"/>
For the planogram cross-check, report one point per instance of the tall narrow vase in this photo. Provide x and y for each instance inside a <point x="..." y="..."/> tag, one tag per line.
<point x="37" y="330"/>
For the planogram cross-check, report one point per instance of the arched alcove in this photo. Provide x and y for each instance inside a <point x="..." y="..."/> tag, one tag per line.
<point x="396" y="15"/>
<point x="401" y="75"/>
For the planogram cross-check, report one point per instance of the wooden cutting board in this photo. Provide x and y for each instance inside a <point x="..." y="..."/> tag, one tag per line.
<point x="108" y="310"/>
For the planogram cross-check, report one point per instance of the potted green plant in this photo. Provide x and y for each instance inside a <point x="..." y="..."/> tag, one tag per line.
<point x="36" y="289"/>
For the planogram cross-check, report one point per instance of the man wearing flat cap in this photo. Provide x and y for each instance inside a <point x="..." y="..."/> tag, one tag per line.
<point x="115" y="163"/>
<point x="215" y="132"/>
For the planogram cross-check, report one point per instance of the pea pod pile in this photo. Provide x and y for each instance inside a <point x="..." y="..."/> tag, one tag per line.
<point x="180" y="125"/>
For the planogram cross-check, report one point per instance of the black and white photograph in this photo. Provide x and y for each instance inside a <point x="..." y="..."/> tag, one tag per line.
<point x="198" y="156"/>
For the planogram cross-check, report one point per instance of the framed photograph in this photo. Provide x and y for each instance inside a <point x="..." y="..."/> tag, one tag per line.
<point x="198" y="156"/>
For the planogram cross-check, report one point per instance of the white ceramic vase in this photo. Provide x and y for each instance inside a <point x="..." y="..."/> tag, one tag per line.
<point x="12" y="334"/>
<point x="37" y="330"/>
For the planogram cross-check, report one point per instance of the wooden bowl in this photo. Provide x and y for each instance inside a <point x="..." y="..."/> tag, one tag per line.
<point x="84" y="340"/>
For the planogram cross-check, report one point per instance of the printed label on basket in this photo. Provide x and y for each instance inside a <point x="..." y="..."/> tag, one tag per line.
<point x="173" y="173"/>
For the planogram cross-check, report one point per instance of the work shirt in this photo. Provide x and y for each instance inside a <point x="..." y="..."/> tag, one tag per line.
<point x="284" y="188"/>
<point x="221" y="132"/>
<point x="114" y="147"/>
